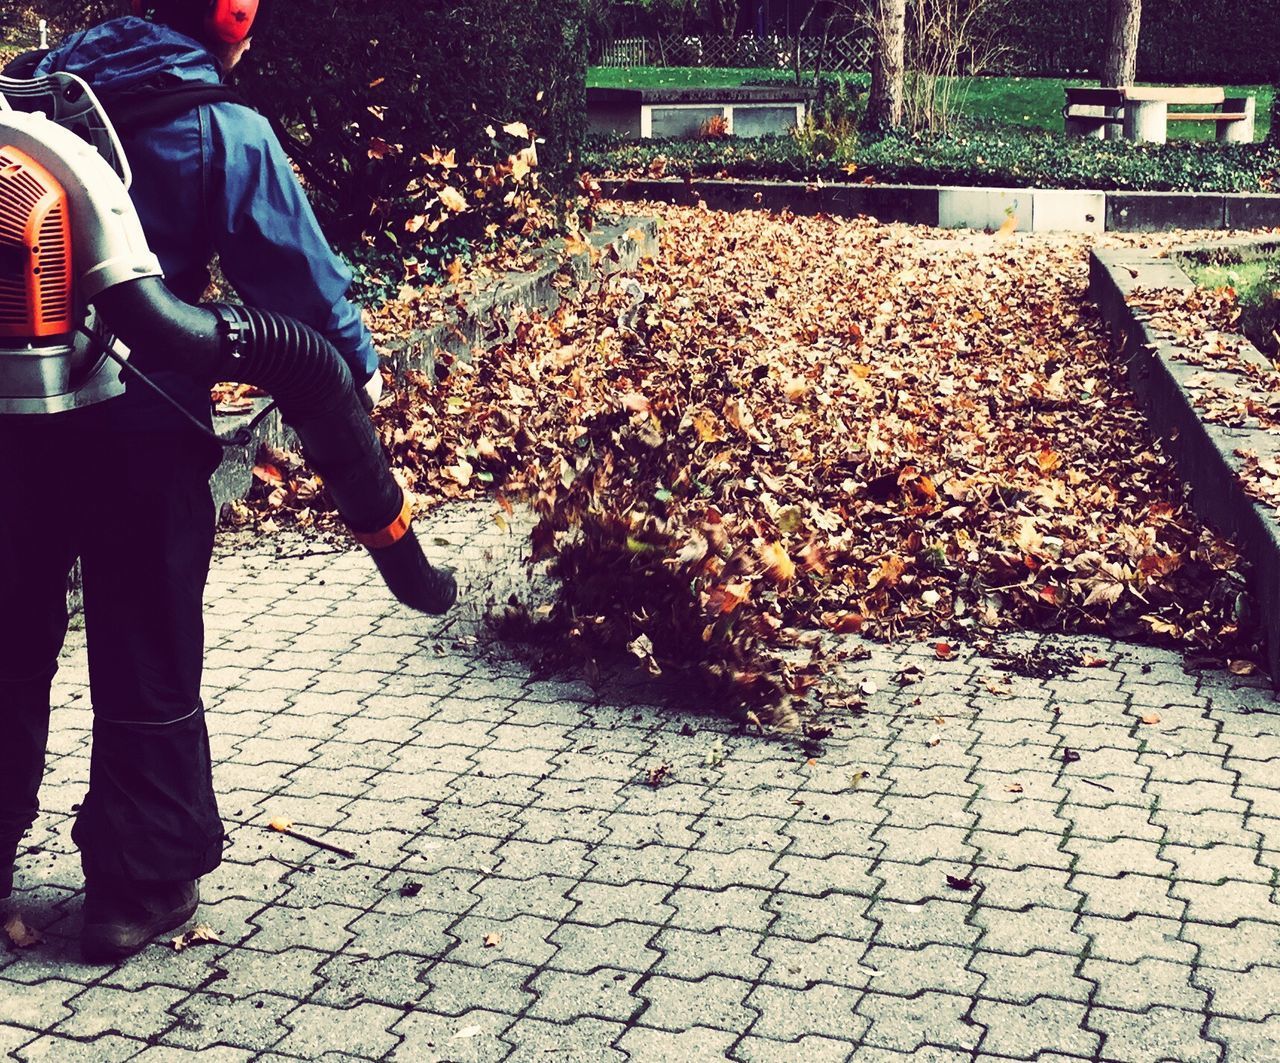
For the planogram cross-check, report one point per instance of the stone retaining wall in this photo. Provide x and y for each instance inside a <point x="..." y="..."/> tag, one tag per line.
<point x="1032" y="209"/>
<point x="1205" y="453"/>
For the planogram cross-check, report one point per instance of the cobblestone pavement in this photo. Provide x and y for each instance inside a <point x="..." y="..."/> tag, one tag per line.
<point x="982" y="866"/>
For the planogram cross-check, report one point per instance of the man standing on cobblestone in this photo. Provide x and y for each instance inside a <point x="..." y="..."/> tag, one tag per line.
<point x="124" y="484"/>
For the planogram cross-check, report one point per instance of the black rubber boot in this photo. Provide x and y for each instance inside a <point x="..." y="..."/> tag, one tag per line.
<point x="8" y="857"/>
<point x="120" y="917"/>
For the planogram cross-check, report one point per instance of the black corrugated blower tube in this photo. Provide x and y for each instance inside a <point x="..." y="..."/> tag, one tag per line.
<point x="307" y="377"/>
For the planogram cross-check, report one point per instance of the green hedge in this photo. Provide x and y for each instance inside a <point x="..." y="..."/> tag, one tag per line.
<point x="339" y="79"/>
<point x="980" y="157"/>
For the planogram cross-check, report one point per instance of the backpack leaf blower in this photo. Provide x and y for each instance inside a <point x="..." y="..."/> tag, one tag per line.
<point x="81" y="293"/>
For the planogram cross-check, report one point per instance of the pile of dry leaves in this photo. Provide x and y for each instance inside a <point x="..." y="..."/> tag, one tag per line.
<point x="786" y="424"/>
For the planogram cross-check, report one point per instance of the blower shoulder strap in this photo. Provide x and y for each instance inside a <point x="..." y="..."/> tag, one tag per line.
<point x="132" y="112"/>
<point x="145" y="106"/>
<point x="24" y="66"/>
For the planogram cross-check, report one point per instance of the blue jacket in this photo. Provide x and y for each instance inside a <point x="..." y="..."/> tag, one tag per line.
<point x="215" y="180"/>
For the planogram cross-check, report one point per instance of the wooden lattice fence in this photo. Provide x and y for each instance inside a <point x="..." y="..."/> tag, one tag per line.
<point x="851" y="53"/>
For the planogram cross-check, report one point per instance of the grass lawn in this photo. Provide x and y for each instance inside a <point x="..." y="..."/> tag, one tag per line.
<point x="645" y="77"/>
<point x="1032" y="103"/>
<point x="1257" y="285"/>
<point x="1253" y="281"/>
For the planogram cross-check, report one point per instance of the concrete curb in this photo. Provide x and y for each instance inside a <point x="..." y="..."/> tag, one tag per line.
<point x="1230" y="250"/>
<point x="468" y="320"/>
<point x="1205" y="453"/>
<point x="1034" y="209"/>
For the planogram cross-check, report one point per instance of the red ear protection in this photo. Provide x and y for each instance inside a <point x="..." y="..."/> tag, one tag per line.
<point x="229" y="21"/>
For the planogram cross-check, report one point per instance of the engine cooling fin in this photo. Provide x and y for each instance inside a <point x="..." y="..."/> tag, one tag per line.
<point x="35" y="250"/>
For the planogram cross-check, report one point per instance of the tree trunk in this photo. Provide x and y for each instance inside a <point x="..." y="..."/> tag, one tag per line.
<point x="889" y="36"/>
<point x="1120" y="62"/>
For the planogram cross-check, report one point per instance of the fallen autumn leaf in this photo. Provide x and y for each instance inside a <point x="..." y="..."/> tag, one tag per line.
<point x="197" y="935"/>
<point x="20" y="935"/>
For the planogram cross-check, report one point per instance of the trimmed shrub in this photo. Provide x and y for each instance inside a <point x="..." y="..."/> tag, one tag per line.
<point x="360" y="92"/>
<point x="977" y="157"/>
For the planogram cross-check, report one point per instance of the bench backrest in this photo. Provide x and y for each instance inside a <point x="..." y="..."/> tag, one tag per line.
<point x="1093" y="96"/>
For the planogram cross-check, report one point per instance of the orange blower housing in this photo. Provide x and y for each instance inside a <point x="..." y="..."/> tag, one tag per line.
<point x="35" y="242"/>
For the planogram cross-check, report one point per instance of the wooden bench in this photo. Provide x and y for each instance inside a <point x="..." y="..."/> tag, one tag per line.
<point x="1142" y="111"/>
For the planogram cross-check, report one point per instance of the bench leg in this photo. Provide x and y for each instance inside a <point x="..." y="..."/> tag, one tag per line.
<point x="1085" y="120"/>
<point x="1085" y="127"/>
<point x="1146" y="121"/>
<point x="1239" y="132"/>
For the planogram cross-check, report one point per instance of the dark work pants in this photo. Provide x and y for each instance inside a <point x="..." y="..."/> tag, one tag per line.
<point x="137" y="510"/>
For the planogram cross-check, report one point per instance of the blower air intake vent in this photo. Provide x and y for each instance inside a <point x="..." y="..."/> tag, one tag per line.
<point x="35" y="250"/>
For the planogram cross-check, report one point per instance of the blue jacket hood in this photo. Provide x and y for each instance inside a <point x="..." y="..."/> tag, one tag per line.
<point x="126" y="53"/>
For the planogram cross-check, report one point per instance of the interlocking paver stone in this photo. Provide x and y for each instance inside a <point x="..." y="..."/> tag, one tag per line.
<point x="908" y="972"/>
<point x="102" y="1009"/>
<point x="811" y="1049"/>
<point x="455" y="989"/>
<point x="1026" y="1031"/>
<point x="789" y="1014"/>
<point x="1253" y="994"/>
<point x="106" y="1049"/>
<point x="697" y="1045"/>
<point x="1156" y="1036"/>
<point x="1246" y="1041"/>
<point x="362" y="1030"/>
<point x="13" y="1037"/>
<point x="828" y="959"/>
<point x="906" y="1024"/>
<point x="207" y="1019"/>
<point x="1039" y="887"/>
<point x="1215" y="865"/>
<point x="1136" y="939"/>
<point x="620" y="944"/>
<point x="1127" y="895"/>
<point x="694" y="955"/>
<point x="1229" y="902"/>
<point x="519" y="892"/>
<point x="935" y="922"/>
<point x="581" y="1041"/>
<point x="740" y="907"/>
<point x="38" y="1006"/>
<point x="1022" y="979"/>
<point x="810" y="918"/>
<point x="1121" y="856"/>
<point x="600" y="904"/>
<point x="352" y="978"/>
<point x="1142" y="985"/>
<point x="716" y="1002"/>
<point x="1031" y="930"/>
<point x="218" y="1054"/>
<point x="477" y="1037"/>
<point x="566" y="996"/>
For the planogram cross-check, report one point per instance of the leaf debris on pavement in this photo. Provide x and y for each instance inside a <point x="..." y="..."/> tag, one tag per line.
<point x="19" y="934"/>
<point x="201" y="934"/>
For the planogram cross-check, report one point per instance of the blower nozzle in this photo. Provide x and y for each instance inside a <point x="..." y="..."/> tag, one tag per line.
<point x="317" y="397"/>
